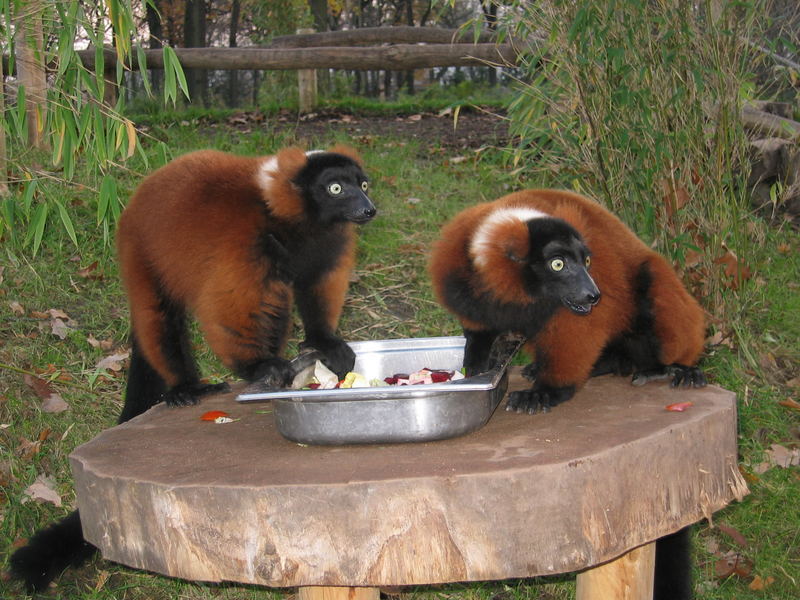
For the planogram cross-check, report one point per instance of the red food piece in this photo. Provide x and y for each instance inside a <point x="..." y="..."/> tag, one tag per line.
<point x="679" y="406"/>
<point x="313" y="386"/>
<point x="213" y="415"/>
<point x="440" y="376"/>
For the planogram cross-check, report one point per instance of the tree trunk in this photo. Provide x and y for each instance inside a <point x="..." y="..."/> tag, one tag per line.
<point x="155" y="42"/>
<point x="194" y="36"/>
<point x="490" y="13"/>
<point x="233" y="75"/>
<point x="409" y="75"/>
<point x="30" y="70"/>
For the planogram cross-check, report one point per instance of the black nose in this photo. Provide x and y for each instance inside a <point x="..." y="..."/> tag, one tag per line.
<point x="593" y="298"/>
<point x="370" y="212"/>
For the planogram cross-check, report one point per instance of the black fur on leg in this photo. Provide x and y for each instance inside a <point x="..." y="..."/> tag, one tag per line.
<point x="49" y="552"/>
<point x="673" y="571"/>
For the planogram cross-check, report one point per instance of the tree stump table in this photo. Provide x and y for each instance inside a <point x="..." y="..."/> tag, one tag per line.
<point x="589" y="485"/>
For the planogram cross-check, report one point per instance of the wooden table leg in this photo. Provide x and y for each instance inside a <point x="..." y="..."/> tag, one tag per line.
<point x="629" y="577"/>
<point x="315" y="592"/>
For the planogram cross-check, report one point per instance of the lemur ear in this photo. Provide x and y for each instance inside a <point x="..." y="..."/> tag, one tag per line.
<point x="499" y="252"/>
<point x="280" y="192"/>
<point x="346" y="151"/>
<point x="290" y="161"/>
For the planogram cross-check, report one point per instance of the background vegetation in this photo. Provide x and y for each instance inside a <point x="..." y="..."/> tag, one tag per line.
<point x="634" y="103"/>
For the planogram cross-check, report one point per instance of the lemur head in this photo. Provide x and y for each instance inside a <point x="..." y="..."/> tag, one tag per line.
<point x="334" y="188"/>
<point x="557" y="265"/>
<point x="523" y="255"/>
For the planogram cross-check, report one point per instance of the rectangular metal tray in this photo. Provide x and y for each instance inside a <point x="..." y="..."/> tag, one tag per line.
<point x="393" y="413"/>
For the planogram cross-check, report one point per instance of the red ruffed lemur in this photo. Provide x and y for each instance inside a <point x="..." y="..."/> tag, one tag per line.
<point x="236" y="242"/>
<point x="587" y="294"/>
<point x="589" y="297"/>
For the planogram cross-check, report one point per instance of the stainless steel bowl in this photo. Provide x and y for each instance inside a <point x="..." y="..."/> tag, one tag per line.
<point x="393" y="413"/>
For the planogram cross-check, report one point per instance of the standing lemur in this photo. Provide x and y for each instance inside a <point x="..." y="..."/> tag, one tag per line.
<point x="235" y="242"/>
<point x="590" y="298"/>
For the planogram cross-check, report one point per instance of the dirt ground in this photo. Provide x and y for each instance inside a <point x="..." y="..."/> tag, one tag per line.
<point x="469" y="129"/>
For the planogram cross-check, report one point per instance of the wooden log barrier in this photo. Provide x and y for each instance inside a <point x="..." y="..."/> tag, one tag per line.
<point x="595" y="480"/>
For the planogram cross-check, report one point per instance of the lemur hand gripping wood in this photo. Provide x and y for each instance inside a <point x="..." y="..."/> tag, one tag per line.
<point x="236" y="242"/>
<point x="588" y="294"/>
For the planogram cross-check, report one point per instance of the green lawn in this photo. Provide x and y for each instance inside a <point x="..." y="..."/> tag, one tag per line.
<point x="416" y="188"/>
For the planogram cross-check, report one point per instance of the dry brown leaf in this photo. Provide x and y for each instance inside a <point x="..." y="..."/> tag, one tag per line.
<point x="733" y="533"/>
<point x="758" y="584"/>
<point x="734" y="268"/>
<point x="781" y="456"/>
<point x="57" y="314"/>
<point x="59" y="328"/>
<point x="89" y="272"/>
<point x="27" y="449"/>
<point x="790" y="403"/>
<point x="733" y="563"/>
<point x="54" y="403"/>
<point x="101" y="344"/>
<point x="17" y="308"/>
<point x="42" y="490"/>
<point x="112" y="362"/>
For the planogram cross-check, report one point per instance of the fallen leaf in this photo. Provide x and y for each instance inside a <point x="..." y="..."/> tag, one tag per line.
<point x="57" y="314"/>
<point x="457" y="159"/>
<point x="27" y="449"/>
<point x="790" y="403"/>
<point x="758" y="584"/>
<point x="89" y="272"/>
<point x="17" y="308"/>
<point x="42" y="490"/>
<point x="415" y="118"/>
<point x="101" y="344"/>
<point x="732" y="533"/>
<point x="59" y="328"/>
<point x="734" y="268"/>
<point x="733" y="564"/>
<point x="52" y="402"/>
<point x="112" y="362"/>
<point x="780" y="456"/>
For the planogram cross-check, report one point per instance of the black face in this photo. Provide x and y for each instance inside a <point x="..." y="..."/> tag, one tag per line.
<point x="558" y="265"/>
<point x="334" y="189"/>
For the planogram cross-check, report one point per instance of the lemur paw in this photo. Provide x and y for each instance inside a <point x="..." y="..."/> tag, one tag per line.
<point x="336" y="354"/>
<point x="540" y="398"/>
<point x="274" y="372"/>
<point x="683" y="376"/>
<point x="190" y="394"/>
<point x="529" y="371"/>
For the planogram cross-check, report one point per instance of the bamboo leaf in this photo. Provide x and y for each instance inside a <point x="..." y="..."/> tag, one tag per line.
<point x="38" y="224"/>
<point x="67" y="221"/>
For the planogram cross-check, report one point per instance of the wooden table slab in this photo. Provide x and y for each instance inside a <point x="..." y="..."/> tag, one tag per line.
<point x="526" y="495"/>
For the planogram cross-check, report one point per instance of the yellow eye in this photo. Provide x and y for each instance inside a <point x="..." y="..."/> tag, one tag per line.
<point x="556" y="264"/>
<point x="364" y="186"/>
<point x="588" y="261"/>
<point x="335" y="189"/>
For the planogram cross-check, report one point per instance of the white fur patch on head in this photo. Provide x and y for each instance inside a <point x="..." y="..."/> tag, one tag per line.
<point x="266" y="173"/>
<point x="310" y="152"/>
<point x="484" y="237"/>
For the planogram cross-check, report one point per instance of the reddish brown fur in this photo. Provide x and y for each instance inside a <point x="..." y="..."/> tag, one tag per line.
<point x="196" y="243"/>
<point x="574" y="342"/>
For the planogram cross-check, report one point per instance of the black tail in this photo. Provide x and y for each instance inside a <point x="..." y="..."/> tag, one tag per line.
<point x="61" y="545"/>
<point x="49" y="552"/>
<point x="673" y="573"/>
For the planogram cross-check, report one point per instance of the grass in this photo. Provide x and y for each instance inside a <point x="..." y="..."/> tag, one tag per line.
<point x="416" y="188"/>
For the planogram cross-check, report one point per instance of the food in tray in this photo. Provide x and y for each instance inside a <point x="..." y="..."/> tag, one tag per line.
<point x="319" y="377"/>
